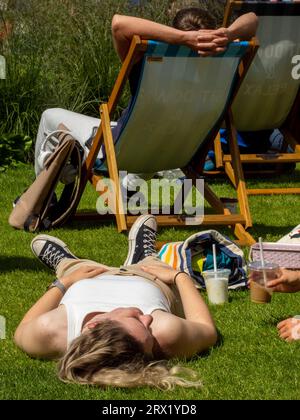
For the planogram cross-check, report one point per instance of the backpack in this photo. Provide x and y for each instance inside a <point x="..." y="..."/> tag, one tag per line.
<point x="194" y="255"/>
<point x="39" y="207"/>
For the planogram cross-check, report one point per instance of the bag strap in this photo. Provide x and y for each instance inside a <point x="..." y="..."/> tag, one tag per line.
<point x="66" y="206"/>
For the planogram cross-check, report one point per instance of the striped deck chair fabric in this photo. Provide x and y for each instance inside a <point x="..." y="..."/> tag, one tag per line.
<point x="181" y="97"/>
<point x="269" y="90"/>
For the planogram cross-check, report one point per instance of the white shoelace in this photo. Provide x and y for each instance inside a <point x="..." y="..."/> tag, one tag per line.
<point x="51" y="256"/>
<point x="149" y="242"/>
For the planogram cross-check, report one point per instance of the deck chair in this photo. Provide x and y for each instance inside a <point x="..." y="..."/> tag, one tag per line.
<point x="178" y="109"/>
<point x="269" y="97"/>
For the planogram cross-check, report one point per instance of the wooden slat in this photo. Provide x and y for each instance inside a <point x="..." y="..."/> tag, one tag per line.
<point x="228" y="13"/>
<point x="273" y="191"/>
<point x="94" y="179"/>
<point x="230" y="173"/>
<point x="213" y="199"/>
<point x="237" y="169"/>
<point x="209" y="220"/>
<point x="137" y="45"/>
<point x="218" y="152"/>
<point x="244" y="237"/>
<point x="219" y="174"/>
<point x="266" y="158"/>
<point x="113" y="168"/>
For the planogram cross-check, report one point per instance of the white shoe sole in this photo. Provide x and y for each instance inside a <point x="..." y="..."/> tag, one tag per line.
<point x="132" y="235"/>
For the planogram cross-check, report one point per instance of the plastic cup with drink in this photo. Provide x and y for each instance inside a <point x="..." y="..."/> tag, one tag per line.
<point x="260" y="273"/>
<point x="216" y="282"/>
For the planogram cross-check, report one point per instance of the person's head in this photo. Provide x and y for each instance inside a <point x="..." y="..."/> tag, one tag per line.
<point x="117" y="350"/>
<point x="194" y="19"/>
<point x="133" y="321"/>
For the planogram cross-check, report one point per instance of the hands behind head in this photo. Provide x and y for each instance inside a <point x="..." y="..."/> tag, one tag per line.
<point x="208" y="42"/>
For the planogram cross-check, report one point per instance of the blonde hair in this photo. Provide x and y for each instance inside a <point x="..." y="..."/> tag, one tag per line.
<point x="108" y="356"/>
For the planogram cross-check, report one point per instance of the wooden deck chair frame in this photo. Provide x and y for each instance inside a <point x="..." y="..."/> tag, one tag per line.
<point x="290" y="128"/>
<point x="240" y="222"/>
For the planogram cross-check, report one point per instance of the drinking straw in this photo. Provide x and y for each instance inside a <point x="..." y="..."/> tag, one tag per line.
<point x="262" y="259"/>
<point x="215" y="259"/>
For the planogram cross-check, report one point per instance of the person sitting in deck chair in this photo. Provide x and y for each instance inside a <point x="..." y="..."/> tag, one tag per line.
<point x="193" y="27"/>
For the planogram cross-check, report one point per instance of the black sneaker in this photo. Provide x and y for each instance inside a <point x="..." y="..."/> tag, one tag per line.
<point x="141" y="239"/>
<point x="50" y="251"/>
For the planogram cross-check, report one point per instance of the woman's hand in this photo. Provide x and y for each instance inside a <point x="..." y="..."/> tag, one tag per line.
<point x="165" y="274"/>
<point x="287" y="282"/>
<point x="86" y="272"/>
<point x="207" y="42"/>
<point x="289" y="329"/>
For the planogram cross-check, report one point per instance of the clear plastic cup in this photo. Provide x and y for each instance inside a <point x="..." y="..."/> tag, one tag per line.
<point x="259" y="276"/>
<point x="217" y="285"/>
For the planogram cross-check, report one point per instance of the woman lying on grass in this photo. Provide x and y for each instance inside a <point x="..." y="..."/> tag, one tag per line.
<point x="114" y="326"/>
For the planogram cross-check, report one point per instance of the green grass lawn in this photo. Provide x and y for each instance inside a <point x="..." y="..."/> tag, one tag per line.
<point x="250" y="363"/>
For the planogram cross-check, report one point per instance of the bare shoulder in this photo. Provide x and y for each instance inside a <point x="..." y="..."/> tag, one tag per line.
<point x="54" y="321"/>
<point x="167" y="329"/>
<point x="44" y="336"/>
<point x="56" y="325"/>
<point x="179" y="337"/>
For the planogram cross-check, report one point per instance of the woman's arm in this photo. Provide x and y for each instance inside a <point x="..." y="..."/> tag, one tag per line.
<point x="39" y="332"/>
<point x="195" y="333"/>
<point x="125" y="27"/>
<point x="244" y="27"/>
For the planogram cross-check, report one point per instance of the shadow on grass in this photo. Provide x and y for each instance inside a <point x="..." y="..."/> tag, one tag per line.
<point x="12" y="263"/>
<point x="264" y="230"/>
<point x="207" y="353"/>
<point x="289" y="177"/>
<point x="89" y="224"/>
<point x="258" y="230"/>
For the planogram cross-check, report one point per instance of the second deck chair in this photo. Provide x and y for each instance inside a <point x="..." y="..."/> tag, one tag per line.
<point x="269" y="97"/>
<point x="178" y="109"/>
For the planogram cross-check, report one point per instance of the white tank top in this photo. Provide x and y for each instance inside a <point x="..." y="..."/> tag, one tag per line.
<point x="105" y="293"/>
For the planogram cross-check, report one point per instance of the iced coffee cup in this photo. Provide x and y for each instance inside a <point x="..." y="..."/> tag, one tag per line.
<point x="259" y="276"/>
<point x="217" y="285"/>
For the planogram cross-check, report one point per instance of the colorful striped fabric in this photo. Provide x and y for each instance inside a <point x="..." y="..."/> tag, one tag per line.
<point x="179" y="255"/>
<point x="171" y="254"/>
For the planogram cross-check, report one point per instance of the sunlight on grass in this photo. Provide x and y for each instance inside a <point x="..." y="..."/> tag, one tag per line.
<point x="251" y="362"/>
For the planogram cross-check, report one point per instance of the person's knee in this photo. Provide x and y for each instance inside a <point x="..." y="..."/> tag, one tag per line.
<point x="51" y="113"/>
